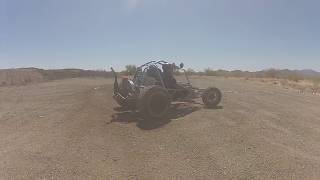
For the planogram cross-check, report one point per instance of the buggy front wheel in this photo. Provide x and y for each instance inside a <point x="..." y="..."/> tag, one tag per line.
<point x="154" y="103"/>
<point x="211" y="97"/>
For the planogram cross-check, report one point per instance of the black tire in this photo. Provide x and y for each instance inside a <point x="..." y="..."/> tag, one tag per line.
<point x="211" y="97"/>
<point x="154" y="103"/>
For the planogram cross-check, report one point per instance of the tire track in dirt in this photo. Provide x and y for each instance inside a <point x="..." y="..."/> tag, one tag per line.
<point x="257" y="133"/>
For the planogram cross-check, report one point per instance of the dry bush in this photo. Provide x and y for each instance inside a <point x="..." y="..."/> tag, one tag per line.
<point x="190" y="71"/>
<point x="209" y="72"/>
<point x="316" y="85"/>
<point x="73" y="73"/>
<point x="23" y="76"/>
<point x="130" y="70"/>
<point x="9" y="77"/>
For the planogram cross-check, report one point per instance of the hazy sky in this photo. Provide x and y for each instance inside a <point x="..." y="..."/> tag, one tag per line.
<point x="96" y="34"/>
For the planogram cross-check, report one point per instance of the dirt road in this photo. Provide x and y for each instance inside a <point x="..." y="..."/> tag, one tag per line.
<point x="69" y="129"/>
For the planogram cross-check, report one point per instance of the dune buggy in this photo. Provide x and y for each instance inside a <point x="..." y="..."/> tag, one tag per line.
<point x="154" y="87"/>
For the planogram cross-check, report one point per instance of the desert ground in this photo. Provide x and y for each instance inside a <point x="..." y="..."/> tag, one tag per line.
<point x="72" y="129"/>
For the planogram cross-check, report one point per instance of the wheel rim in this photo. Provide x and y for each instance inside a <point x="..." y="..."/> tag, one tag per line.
<point x="211" y="97"/>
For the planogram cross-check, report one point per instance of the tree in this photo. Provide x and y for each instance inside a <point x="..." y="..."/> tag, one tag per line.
<point x="130" y="69"/>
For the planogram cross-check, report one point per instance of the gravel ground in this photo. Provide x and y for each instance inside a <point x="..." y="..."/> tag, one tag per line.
<point x="72" y="129"/>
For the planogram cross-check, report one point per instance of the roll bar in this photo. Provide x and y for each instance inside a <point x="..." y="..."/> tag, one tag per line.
<point x="154" y="62"/>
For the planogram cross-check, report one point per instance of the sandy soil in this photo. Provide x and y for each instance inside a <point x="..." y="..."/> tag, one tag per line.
<point x="70" y="129"/>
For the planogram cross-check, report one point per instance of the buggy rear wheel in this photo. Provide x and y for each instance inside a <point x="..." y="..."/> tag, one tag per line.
<point x="211" y="97"/>
<point x="154" y="103"/>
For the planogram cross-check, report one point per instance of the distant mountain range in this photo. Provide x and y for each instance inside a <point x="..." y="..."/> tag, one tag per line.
<point x="308" y="72"/>
<point x="305" y="72"/>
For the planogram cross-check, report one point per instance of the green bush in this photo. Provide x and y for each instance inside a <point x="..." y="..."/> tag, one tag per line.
<point x="130" y="70"/>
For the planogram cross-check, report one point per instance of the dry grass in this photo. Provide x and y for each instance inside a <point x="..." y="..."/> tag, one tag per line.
<point x="23" y="76"/>
<point x="19" y="76"/>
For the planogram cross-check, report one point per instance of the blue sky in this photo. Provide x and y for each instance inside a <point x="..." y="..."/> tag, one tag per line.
<point x="97" y="34"/>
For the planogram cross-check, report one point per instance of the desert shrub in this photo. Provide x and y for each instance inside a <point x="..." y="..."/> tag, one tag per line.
<point x="271" y="73"/>
<point x="223" y="73"/>
<point x="130" y="70"/>
<point x="237" y="73"/>
<point x="209" y="72"/>
<point x="190" y="71"/>
<point x="295" y="77"/>
<point x="281" y="74"/>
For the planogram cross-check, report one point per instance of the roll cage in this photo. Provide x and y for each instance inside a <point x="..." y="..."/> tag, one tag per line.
<point x="155" y="67"/>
